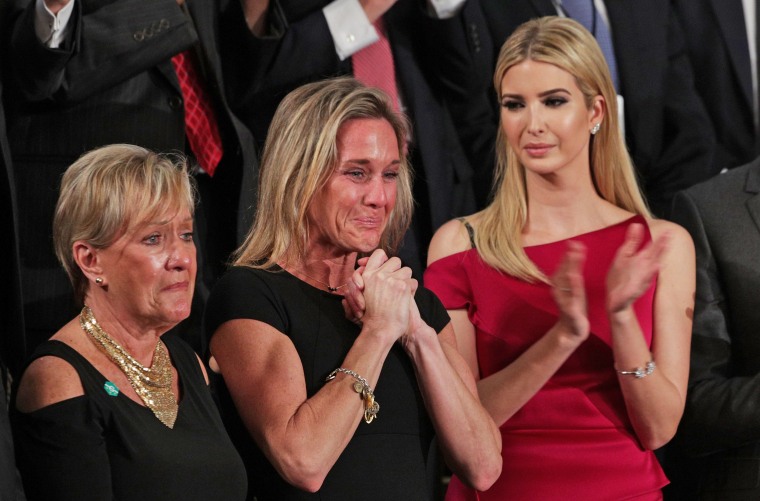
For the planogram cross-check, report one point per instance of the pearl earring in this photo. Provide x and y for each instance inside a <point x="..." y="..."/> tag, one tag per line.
<point x="99" y="281"/>
<point x="596" y="128"/>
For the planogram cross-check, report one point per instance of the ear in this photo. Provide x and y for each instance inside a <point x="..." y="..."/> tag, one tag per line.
<point x="598" y="111"/>
<point x="88" y="259"/>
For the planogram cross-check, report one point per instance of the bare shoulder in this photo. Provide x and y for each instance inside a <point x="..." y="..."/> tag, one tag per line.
<point x="450" y="238"/>
<point x="677" y="234"/>
<point x="47" y="381"/>
<point x="680" y="247"/>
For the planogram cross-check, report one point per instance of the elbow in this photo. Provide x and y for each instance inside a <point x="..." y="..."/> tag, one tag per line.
<point x="482" y="474"/>
<point x="485" y="478"/>
<point x="653" y="439"/>
<point x="303" y="474"/>
<point x="655" y="442"/>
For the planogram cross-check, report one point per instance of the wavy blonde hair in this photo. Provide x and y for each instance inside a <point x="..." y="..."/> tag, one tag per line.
<point x="564" y="43"/>
<point x="300" y="155"/>
<point x="109" y="191"/>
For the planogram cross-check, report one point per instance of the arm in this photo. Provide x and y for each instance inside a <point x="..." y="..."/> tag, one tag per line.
<point x="506" y="391"/>
<point x="654" y="403"/>
<point x="303" y="437"/>
<point x="722" y="408"/>
<point x="60" y="449"/>
<point x="104" y="47"/>
<point x="470" y="441"/>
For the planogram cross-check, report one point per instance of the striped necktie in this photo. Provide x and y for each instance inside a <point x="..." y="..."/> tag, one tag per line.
<point x="586" y="13"/>
<point x="373" y="65"/>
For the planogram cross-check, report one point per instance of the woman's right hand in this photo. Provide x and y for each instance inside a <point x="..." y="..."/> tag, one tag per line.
<point x="570" y="294"/>
<point x="387" y="291"/>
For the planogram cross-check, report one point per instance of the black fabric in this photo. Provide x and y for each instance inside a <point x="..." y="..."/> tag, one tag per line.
<point x="388" y="459"/>
<point x="470" y="231"/>
<point x="98" y="447"/>
<point x="112" y="83"/>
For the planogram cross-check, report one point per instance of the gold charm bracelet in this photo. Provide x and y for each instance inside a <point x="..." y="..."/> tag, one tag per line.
<point x="362" y="387"/>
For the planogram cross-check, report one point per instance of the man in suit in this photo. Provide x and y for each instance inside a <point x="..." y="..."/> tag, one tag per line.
<point x="12" y="350"/>
<point x="716" y="453"/>
<point x="722" y="50"/>
<point x="300" y="43"/>
<point x="666" y="126"/>
<point x="84" y="74"/>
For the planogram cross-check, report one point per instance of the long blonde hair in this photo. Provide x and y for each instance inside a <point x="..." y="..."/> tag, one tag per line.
<point x="301" y="153"/>
<point x="566" y="44"/>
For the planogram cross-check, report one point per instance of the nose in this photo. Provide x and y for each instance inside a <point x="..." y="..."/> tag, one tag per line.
<point x="535" y="120"/>
<point x="376" y="195"/>
<point x="181" y="254"/>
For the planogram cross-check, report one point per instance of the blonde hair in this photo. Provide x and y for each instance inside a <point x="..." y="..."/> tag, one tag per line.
<point x="299" y="157"/>
<point x="109" y="191"/>
<point x="564" y="43"/>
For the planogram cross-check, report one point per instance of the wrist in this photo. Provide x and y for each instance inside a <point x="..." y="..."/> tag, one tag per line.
<point x="565" y="337"/>
<point x="378" y="334"/>
<point x="621" y="317"/>
<point x="419" y="341"/>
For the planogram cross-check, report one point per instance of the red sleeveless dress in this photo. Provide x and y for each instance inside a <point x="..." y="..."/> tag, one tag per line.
<point x="573" y="439"/>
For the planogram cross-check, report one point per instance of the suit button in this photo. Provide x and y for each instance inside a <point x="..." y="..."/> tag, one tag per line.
<point x="175" y="102"/>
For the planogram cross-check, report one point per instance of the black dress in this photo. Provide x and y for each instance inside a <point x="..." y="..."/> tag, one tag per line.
<point x="102" y="447"/>
<point x="390" y="459"/>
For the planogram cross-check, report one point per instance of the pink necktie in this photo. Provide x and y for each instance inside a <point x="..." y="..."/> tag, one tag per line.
<point x="373" y="65"/>
<point x="200" y="123"/>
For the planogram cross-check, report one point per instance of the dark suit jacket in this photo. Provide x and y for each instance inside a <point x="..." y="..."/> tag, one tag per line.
<point x="12" y="350"/>
<point x="111" y="82"/>
<point x="300" y="49"/>
<point x="716" y="38"/>
<point x="667" y="128"/>
<point x="12" y="342"/>
<point x="722" y="417"/>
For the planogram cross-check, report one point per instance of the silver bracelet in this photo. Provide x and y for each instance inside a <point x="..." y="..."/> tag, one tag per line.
<point x="362" y="387"/>
<point x="638" y="372"/>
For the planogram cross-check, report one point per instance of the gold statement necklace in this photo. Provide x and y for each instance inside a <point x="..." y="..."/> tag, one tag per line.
<point x="153" y="384"/>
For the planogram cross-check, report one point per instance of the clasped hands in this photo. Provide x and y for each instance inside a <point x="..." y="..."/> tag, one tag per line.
<point x="381" y="294"/>
<point x="630" y="275"/>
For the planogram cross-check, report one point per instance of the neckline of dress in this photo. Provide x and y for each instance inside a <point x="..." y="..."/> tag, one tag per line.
<point x="628" y="220"/>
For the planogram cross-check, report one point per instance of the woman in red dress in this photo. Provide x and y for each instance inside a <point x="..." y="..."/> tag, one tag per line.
<point x="571" y="304"/>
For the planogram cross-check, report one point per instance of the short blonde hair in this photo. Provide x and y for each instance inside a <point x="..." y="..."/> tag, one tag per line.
<point x="299" y="157"/>
<point x="566" y="44"/>
<point x="109" y="191"/>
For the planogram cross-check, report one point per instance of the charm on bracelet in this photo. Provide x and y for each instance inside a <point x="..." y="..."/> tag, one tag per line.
<point x="638" y="372"/>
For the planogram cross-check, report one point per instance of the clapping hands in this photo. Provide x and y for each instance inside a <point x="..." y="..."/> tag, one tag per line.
<point x="633" y="268"/>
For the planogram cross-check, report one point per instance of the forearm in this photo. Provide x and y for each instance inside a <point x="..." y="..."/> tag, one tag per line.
<point x="506" y="391"/>
<point x="653" y="402"/>
<point x="470" y="440"/>
<point x="304" y="447"/>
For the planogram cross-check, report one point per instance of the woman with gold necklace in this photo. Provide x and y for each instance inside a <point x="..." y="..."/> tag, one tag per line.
<point x="108" y="409"/>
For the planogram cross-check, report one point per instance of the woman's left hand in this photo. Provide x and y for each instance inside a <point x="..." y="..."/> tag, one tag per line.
<point x="633" y="269"/>
<point x="353" y="302"/>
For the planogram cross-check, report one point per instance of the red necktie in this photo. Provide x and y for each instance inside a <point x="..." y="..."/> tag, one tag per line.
<point x="373" y="65"/>
<point x="200" y="123"/>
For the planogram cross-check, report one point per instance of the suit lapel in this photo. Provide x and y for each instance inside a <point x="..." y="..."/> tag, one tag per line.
<point x="753" y="187"/>
<point x="729" y="14"/>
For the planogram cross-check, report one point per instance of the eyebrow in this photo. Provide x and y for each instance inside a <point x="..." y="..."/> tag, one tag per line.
<point x="541" y="94"/>
<point x="166" y="221"/>
<point x="364" y="161"/>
